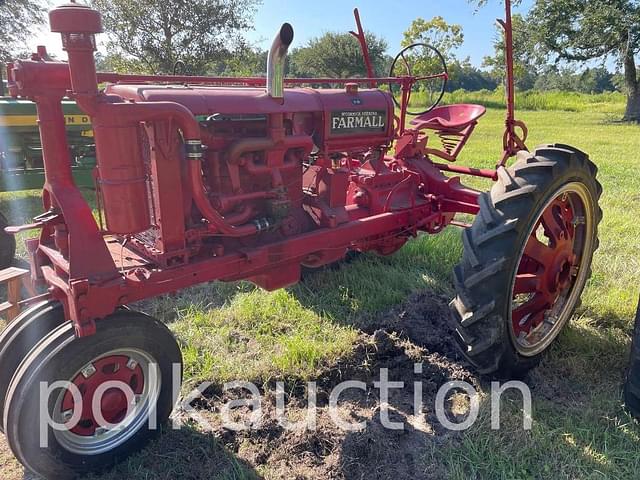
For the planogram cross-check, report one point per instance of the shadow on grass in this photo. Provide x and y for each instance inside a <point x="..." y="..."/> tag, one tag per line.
<point x="354" y="293"/>
<point x="607" y="319"/>
<point x="580" y="428"/>
<point x="186" y="454"/>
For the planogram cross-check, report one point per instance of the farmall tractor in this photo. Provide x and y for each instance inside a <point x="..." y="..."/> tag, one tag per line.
<point x="201" y="179"/>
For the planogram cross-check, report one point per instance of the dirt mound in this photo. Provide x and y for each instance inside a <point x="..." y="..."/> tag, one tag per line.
<point x="413" y="343"/>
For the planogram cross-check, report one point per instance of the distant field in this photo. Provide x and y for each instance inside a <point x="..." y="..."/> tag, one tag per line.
<point x="318" y="328"/>
<point x="610" y="103"/>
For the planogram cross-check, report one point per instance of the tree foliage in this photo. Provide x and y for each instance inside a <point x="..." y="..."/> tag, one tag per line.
<point x="247" y="62"/>
<point x="445" y="37"/>
<point x="583" y="30"/>
<point x="18" y="19"/>
<point x="527" y="57"/>
<point x="463" y="75"/>
<point x="153" y="35"/>
<point x="589" y="80"/>
<point x="338" y="55"/>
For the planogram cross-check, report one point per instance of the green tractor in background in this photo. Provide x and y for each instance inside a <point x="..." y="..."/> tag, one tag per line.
<point x="21" y="165"/>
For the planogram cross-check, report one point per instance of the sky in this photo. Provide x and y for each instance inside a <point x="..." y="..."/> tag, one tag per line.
<point x="386" y="18"/>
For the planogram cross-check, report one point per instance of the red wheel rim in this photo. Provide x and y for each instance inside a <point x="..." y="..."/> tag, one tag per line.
<point x="122" y="387"/>
<point x="552" y="269"/>
<point x="114" y="404"/>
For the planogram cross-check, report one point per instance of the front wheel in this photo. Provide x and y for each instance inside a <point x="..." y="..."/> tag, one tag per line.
<point x="20" y="336"/>
<point x="78" y="405"/>
<point x="527" y="258"/>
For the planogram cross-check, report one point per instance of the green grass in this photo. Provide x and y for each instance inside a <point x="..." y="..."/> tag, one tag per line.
<point x="610" y="102"/>
<point x="235" y="331"/>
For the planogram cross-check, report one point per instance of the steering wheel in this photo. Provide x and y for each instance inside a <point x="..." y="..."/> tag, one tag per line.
<point x="429" y="68"/>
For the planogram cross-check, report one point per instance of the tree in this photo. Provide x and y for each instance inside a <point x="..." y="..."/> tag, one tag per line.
<point x="154" y="34"/>
<point x="338" y="55"/>
<point x="583" y="30"/>
<point x="18" y="20"/>
<point x="436" y="32"/>
<point x="445" y="38"/>
<point x="247" y="62"/>
<point x="463" y="75"/>
<point x="589" y="80"/>
<point x="526" y="56"/>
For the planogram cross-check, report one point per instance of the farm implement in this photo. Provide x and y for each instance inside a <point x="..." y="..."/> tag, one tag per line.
<point x="202" y="178"/>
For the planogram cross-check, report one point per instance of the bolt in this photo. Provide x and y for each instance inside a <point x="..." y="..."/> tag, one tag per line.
<point x="132" y="364"/>
<point x="88" y="370"/>
<point x="100" y="431"/>
<point x="67" y="414"/>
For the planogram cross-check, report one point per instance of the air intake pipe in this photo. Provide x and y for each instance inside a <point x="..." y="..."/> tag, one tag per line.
<point x="275" y="62"/>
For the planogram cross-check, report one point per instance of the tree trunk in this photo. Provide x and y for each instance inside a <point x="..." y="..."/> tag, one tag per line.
<point x="632" y="112"/>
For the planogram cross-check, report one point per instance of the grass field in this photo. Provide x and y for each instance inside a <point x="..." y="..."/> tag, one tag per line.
<point x="580" y="430"/>
<point x="609" y="102"/>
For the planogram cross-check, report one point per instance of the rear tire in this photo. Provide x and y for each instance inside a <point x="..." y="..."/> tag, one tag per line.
<point x="7" y="244"/>
<point x="123" y="350"/>
<point x="514" y="297"/>
<point x="632" y="384"/>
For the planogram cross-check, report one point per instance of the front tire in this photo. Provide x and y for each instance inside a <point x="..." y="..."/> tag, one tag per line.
<point x="526" y="260"/>
<point x="19" y="338"/>
<point x="128" y="367"/>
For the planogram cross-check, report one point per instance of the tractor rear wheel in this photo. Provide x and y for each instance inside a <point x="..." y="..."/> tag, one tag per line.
<point x="19" y="338"/>
<point x="527" y="258"/>
<point x="7" y="244"/>
<point x="107" y="394"/>
<point x="632" y="384"/>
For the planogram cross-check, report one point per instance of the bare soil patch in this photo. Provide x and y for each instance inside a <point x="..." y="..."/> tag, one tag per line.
<point x="416" y="332"/>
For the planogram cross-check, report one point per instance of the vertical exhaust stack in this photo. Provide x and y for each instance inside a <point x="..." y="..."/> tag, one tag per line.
<point x="276" y="60"/>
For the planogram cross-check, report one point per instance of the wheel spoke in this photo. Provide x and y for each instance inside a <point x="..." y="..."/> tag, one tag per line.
<point x="431" y="77"/>
<point x="526" y="283"/>
<point x="406" y="64"/>
<point x="528" y="314"/>
<point x="550" y="224"/>
<point x="538" y="251"/>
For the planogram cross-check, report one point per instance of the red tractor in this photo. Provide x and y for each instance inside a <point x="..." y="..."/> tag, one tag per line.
<point x="201" y="179"/>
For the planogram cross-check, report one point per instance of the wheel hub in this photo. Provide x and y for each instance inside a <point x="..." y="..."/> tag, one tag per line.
<point x="121" y="376"/>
